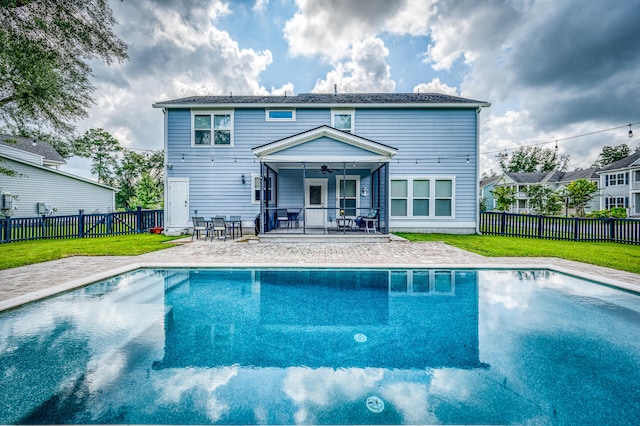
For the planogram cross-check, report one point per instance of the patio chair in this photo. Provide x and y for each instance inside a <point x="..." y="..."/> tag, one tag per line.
<point x="199" y="225"/>
<point x="282" y="216"/>
<point x="369" y="222"/>
<point x="219" y="227"/>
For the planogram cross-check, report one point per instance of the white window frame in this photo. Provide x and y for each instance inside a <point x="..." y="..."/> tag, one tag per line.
<point x="267" y="111"/>
<point x="411" y="285"/>
<point x="432" y="196"/>
<point x="338" y="198"/>
<point x="617" y="179"/>
<point x="255" y="176"/>
<point x="615" y="202"/>
<point x="351" y="112"/>
<point x="212" y="113"/>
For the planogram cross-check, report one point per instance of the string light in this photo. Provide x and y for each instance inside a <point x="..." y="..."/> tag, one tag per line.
<point x="467" y="158"/>
<point x="630" y="131"/>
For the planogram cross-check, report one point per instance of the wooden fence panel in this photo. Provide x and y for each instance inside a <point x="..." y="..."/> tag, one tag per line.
<point x="561" y="228"/>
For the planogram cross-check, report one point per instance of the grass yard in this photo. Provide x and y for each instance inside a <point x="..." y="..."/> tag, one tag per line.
<point x="29" y="252"/>
<point x="624" y="257"/>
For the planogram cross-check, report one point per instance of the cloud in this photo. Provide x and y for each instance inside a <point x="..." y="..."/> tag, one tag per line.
<point x="365" y="71"/>
<point x="435" y="86"/>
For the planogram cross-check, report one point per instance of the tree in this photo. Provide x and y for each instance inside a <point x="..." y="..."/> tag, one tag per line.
<point x="532" y="159"/>
<point x="130" y="171"/>
<point x="505" y="197"/>
<point x="543" y="200"/>
<point x="45" y="50"/>
<point x="579" y="193"/>
<point x="148" y="193"/>
<point x="102" y="149"/>
<point x="611" y="154"/>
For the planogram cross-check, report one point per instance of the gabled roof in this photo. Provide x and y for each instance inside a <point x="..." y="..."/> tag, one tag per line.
<point x="42" y="148"/>
<point x="488" y="181"/>
<point x="552" y="177"/>
<point x="326" y="99"/>
<point x="380" y="150"/>
<point x="631" y="160"/>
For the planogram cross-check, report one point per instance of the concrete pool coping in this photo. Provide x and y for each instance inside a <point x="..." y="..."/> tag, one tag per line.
<point x="25" y="284"/>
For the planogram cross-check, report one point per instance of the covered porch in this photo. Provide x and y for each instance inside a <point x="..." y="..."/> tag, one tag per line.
<point x="323" y="182"/>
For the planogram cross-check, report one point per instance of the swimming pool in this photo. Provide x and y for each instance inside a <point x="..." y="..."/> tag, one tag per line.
<point x="283" y="346"/>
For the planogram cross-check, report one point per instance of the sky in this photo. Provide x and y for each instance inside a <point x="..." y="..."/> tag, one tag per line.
<point x="551" y="69"/>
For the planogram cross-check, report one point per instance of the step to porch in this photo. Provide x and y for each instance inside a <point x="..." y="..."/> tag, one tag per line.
<point x="324" y="238"/>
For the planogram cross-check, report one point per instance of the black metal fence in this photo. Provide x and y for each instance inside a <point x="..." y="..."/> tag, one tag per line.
<point x="561" y="228"/>
<point x="79" y="226"/>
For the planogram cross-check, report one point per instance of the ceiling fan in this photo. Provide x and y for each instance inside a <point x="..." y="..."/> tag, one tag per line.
<point x="325" y="169"/>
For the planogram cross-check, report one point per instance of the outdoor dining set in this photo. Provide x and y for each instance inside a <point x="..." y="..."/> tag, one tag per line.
<point x="218" y="227"/>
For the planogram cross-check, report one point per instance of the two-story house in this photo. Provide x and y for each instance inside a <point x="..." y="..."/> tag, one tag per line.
<point x="556" y="180"/>
<point x="620" y="184"/>
<point x="39" y="187"/>
<point x="407" y="161"/>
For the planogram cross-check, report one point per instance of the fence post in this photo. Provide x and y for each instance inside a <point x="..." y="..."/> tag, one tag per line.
<point x="503" y="223"/>
<point x="540" y="218"/>
<point x="139" y="220"/>
<point x="80" y="223"/>
<point x="7" y="230"/>
<point x="612" y="229"/>
<point x="575" y="229"/>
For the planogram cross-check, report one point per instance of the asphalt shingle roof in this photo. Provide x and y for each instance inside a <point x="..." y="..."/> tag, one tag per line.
<point x="26" y="144"/>
<point x="328" y="98"/>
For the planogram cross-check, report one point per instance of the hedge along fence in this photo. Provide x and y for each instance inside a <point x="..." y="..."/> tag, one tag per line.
<point x="80" y="225"/>
<point x="561" y="228"/>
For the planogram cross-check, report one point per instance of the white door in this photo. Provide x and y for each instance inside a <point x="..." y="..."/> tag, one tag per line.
<point x="178" y="202"/>
<point x="315" y="203"/>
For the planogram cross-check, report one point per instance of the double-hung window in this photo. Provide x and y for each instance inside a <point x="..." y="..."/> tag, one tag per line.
<point x="212" y="128"/>
<point x="422" y="197"/>
<point x="255" y="189"/>
<point x="616" y="179"/>
<point x="343" y="119"/>
<point x="347" y="194"/>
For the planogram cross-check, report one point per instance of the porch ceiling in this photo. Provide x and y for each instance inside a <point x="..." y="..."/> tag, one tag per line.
<point x="336" y="167"/>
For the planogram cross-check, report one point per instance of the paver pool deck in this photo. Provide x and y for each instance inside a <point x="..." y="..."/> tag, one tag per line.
<point x="27" y="283"/>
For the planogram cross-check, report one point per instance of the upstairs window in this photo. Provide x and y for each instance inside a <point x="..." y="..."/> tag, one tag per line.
<point x="281" y="114"/>
<point x="212" y="128"/>
<point x="343" y="119"/>
<point x="616" y="179"/>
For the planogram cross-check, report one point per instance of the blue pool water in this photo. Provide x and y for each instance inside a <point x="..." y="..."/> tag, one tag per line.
<point x="281" y="346"/>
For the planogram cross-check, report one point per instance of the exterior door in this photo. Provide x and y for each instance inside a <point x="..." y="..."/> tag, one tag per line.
<point x="315" y="203"/>
<point x="178" y="202"/>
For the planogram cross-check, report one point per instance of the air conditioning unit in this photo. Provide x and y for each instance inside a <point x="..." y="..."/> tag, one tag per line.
<point x="7" y="202"/>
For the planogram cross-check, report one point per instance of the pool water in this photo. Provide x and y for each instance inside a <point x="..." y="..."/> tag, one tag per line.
<point x="285" y="346"/>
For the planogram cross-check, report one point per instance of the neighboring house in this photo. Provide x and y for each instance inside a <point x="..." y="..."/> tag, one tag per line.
<point x="40" y="188"/>
<point x="411" y="157"/>
<point x="620" y="184"/>
<point x="555" y="180"/>
<point x="486" y="191"/>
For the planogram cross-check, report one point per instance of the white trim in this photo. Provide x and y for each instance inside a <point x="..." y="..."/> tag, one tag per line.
<point x="268" y="110"/>
<point x="339" y="179"/>
<point x="350" y="139"/>
<point x="432" y="197"/>
<point x="212" y="113"/>
<point x="344" y="111"/>
<point x="324" y="182"/>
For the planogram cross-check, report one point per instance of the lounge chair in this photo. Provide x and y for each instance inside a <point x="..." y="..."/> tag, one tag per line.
<point x="219" y="227"/>
<point x="199" y="225"/>
<point x="369" y="222"/>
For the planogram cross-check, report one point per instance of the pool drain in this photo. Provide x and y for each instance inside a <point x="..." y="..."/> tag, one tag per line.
<point x="375" y="404"/>
<point x="360" y="338"/>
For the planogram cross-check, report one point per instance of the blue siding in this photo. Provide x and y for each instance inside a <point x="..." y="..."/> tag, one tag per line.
<point x="420" y="135"/>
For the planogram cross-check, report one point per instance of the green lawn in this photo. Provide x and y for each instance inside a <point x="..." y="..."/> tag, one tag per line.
<point x="625" y="257"/>
<point x="29" y="252"/>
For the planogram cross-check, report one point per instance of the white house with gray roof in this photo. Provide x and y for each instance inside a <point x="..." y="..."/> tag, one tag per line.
<point x="620" y="184"/>
<point x="39" y="187"/>
<point x="407" y="160"/>
<point x="556" y="180"/>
